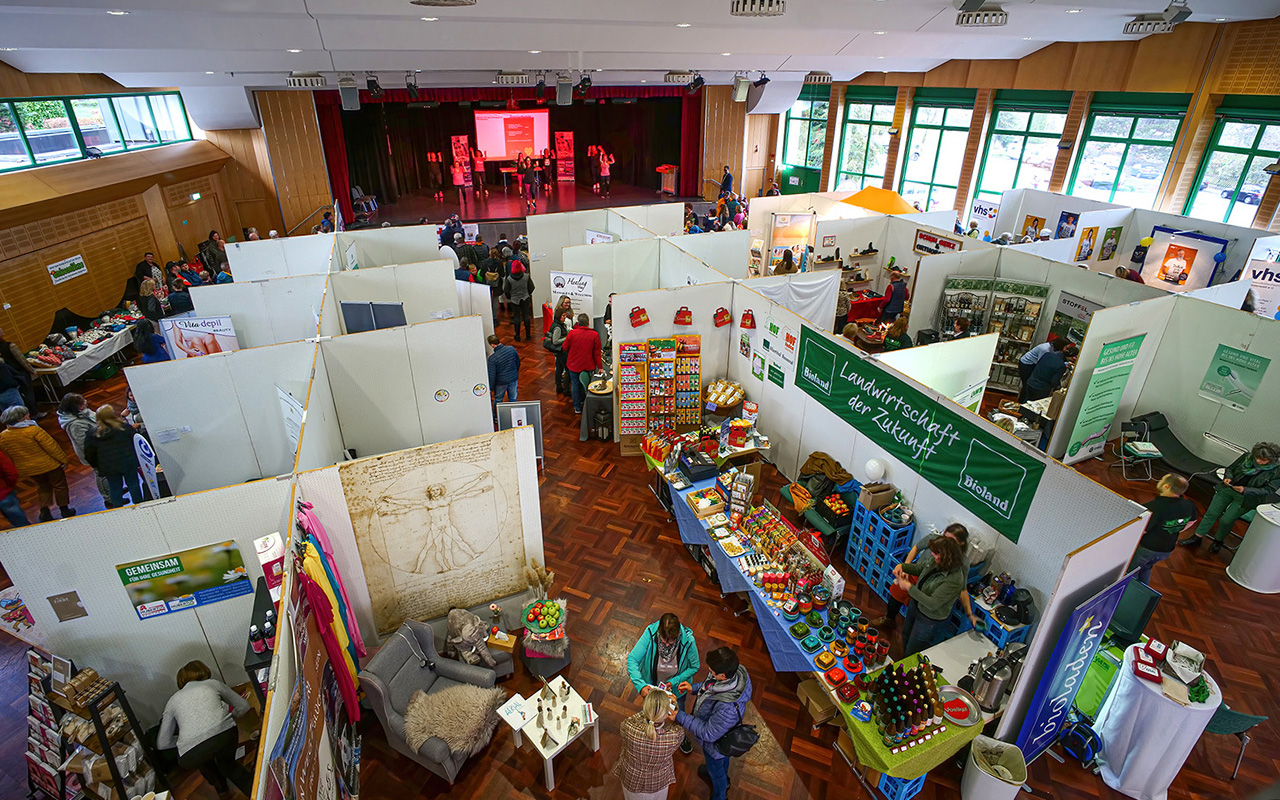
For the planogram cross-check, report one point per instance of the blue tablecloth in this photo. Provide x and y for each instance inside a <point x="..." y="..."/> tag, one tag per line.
<point x="784" y="649"/>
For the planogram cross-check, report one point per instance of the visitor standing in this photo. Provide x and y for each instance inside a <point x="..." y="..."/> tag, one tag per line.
<point x="1027" y="365"/>
<point x="726" y="182"/>
<point x="960" y="328"/>
<point x="606" y="172"/>
<point x="23" y="372"/>
<point x="531" y="186"/>
<point x="38" y="459"/>
<point x="518" y="288"/>
<point x="649" y="740"/>
<point x="148" y="304"/>
<point x="895" y="297"/>
<point x="9" y="504"/>
<point x="200" y="720"/>
<point x="666" y="654"/>
<point x="504" y="371"/>
<point x="459" y="173"/>
<point x="554" y="341"/>
<point x="582" y="357"/>
<point x="720" y="704"/>
<point x="1249" y="481"/>
<point x="109" y="450"/>
<point x="899" y="597"/>
<point x="941" y="581"/>
<point x="1171" y="513"/>
<point x="477" y="172"/>
<point x="79" y="422"/>
<point x="1048" y="371"/>
<point x="149" y="343"/>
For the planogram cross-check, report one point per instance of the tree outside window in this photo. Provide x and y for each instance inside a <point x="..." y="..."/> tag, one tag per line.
<point x="864" y="149"/>
<point x="806" y="133"/>
<point x="1232" y="177"/>
<point x="1021" y="149"/>
<point x="1123" y="157"/>
<point x="935" y="153"/>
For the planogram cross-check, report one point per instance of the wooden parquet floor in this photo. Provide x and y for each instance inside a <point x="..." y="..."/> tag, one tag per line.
<point x="620" y="562"/>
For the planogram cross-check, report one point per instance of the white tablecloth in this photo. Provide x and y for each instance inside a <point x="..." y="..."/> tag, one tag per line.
<point x="86" y="360"/>
<point x="1146" y="737"/>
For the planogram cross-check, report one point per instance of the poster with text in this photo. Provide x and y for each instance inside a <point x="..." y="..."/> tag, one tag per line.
<point x="1265" y="277"/>
<point x="1233" y="377"/>
<point x="67" y="268"/>
<point x="564" y="155"/>
<point x="992" y="477"/>
<point x="931" y="244"/>
<point x="189" y="337"/>
<point x="984" y="213"/>
<point x="1181" y="261"/>
<point x="577" y="286"/>
<point x="186" y="579"/>
<point x="1110" y="244"/>
<point x="1176" y="265"/>
<point x="1071" y="317"/>
<point x="790" y="232"/>
<point x="1102" y="398"/>
<point x="1084" y="248"/>
<point x="461" y="149"/>
<point x="596" y="237"/>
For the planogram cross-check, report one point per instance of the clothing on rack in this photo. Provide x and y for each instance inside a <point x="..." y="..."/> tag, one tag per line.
<point x="312" y="526"/>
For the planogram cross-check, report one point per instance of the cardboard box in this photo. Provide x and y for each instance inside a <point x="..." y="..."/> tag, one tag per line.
<point x="875" y="496"/>
<point x="817" y="702"/>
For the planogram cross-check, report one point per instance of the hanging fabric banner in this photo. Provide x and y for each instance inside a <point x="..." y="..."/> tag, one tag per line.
<point x="564" y="155"/>
<point x="462" y="155"/>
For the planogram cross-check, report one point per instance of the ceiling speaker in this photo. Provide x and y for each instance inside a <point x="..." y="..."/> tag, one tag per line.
<point x="740" y="86"/>
<point x="350" y="92"/>
<point x="564" y="91"/>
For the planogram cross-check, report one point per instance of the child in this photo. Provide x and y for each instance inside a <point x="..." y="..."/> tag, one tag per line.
<point x="1170" y="513"/>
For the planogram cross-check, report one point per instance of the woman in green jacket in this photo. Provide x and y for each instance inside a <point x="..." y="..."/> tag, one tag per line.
<point x="1250" y="480"/>
<point x="666" y="653"/>
<point x="933" y="596"/>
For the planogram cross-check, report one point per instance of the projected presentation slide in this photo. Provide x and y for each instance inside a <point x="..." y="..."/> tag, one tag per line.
<point x="505" y="134"/>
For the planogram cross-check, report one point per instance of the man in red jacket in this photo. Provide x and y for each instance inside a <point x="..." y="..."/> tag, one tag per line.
<point x="583" y="348"/>
<point x="9" y="505"/>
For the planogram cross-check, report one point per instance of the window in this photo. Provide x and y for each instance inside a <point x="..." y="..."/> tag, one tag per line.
<point x="13" y="146"/>
<point x="806" y="128"/>
<point x="51" y="130"/>
<point x="935" y="152"/>
<point x="1021" y="149"/>
<point x="1123" y="157"/>
<point x="864" y="143"/>
<point x="1231" y="180"/>
<point x="47" y="126"/>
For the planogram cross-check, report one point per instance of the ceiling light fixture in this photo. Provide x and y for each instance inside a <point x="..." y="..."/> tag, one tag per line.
<point x="430" y="19"/>
<point x="291" y="50"/>
<point x="371" y="81"/>
<point x="411" y="84"/>
<point x="534" y="52"/>
<point x="818" y="76"/>
<point x="584" y="84"/>
<point x="758" y="8"/>
<point x="11" y="49"/>
<point x="118" y="13"/>
<point x="642" y="80"/>
<point x="992" y="17"/>
<point x="512" y="78"/>
<point x="206" y="72"/>
<point x="1164" y="22"/>
<point x="678" y="76"/>
<point x="305" y="80"/>
<point x="1074" y="10"/>
<point x="1220" y="19"/>
<point x="684" y="25"/>
<point x="878" y="33"/>
<point x="761" y="81"/>
<point x="726" y="54"/>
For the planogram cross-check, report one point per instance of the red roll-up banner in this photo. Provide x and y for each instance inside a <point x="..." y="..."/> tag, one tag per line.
<point x="564" y="155"/>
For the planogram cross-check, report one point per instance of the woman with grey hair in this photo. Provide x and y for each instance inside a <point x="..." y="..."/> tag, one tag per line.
<point x="38" y="458"/>
<point x="1251" y="480"/>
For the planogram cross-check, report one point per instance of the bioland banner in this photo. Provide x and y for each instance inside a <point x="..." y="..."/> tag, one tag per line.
<point x="992" y="478"/>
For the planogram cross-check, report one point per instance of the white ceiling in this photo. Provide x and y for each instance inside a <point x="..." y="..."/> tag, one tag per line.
<point x="215" y="49"/>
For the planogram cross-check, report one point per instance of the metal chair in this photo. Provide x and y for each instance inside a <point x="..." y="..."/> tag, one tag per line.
<point x="363" y="202"/>
<point x="1233" y="723"/>
<point x="1140" y="432"/>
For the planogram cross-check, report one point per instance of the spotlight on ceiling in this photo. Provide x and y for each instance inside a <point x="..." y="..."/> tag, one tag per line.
<point x="758" y="8"/>
<point x="696" y="84"/>
<point x="584" y="84"/>
<point x="1164" y="22"/>
<point x="761" y="81"/>
<point x="1178" y="11"/>
<point x="411" y="83"/>
<point x="371" y="81"/>
<point x="541" y="85"/>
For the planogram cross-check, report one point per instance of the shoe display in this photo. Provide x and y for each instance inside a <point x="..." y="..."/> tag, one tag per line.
<point x="1190" y="541"/>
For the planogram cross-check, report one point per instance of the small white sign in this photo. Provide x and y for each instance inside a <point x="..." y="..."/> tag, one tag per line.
<point x="67" y="268"/>
<point x="293" y="413"/>
<point x="578" y="287"/>
<point x="146" y="466"/>
<point x="598" y="237"/>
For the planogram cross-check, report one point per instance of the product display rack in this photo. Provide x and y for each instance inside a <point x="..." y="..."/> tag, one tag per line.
<point x="965" y="297"/>
<point x="100" y="743"/>
<point x="1016" y="307"/>
<point x="46" y="746"/>
<point x="660" y="395"/>
<point x="632" y="388"/>
<point x="688" y="382"/>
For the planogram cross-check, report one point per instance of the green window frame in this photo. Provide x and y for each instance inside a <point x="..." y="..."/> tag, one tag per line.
<point x="935" y="152"/>
<point x="865" y="140"/>
<point x="1230" y="181"/>
<point x="1126" y="146"/>
<point x="30" y="126"/>
<point x="1021" y="147"/>
<point x="805" y="130"/>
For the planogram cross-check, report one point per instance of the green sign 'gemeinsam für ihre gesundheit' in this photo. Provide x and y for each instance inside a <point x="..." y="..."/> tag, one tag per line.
<point x="992" y="478"/>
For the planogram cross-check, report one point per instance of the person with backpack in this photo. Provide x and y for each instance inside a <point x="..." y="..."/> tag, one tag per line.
<point x="665" y="654"/>
<point x="491" y="274"/>
<point x="109" y="450"/>
<point x="554" y="341"/>
<point x="718" y="707"/>
<point x="518" y="288"/>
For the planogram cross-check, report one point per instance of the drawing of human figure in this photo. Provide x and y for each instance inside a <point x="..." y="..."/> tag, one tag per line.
<point x="444" y="542"/>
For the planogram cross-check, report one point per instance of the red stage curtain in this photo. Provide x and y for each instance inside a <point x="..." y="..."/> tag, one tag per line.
<point x="691" y="146"/>
<point x="333" y="139"/>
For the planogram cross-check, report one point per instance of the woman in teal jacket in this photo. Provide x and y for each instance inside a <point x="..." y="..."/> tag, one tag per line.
<point x="666" y="653"/>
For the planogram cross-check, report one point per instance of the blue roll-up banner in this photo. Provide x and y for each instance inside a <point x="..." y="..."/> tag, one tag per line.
<point x="1079" y="641"/>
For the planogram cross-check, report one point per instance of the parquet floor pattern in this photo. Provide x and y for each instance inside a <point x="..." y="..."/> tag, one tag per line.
<point x="619" y="561"/>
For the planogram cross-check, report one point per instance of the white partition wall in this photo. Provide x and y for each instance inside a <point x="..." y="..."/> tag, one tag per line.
<point x="406" y="387"/>
<point x="265" y="312"/>
<point x="679" y="268"/>
<point x="215" y="420"/>
<point x="549" y="234"/>
<point x="426" y="289"/>
<point x="728" y="252"/>
<point x="80" y="555"/>
<point x="280" y="258"/>
<point x="849" y="236"/>
<point x="616" y="267"/>
<point x="320" y="441"/>
<point x="1017" y="205"/>
<point x="381" y="247"/>
<point x="956" y="369"/>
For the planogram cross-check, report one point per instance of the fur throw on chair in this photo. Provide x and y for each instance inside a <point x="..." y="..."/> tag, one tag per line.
<point x="468" y="639"/>
<point x="463" y="716"/>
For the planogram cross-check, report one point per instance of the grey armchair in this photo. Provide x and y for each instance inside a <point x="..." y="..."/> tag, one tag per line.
<point x="406" y="663"/>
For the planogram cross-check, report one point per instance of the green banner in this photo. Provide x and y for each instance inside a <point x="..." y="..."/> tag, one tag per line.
<point x="991" y="477"/>
<point x="1102" y="398"/>
<point x="1233" y="377"/>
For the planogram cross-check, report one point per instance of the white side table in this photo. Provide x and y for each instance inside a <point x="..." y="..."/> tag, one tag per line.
<point x="1256" y="565"/>
<point x="577" y="708"/>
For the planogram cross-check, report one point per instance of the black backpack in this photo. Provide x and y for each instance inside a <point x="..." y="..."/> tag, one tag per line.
<point x="738" y="740"/>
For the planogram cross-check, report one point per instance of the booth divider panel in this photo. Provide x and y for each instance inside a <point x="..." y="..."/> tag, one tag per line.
<point x="293" y="306"/>
<point x="255" y="374"/>
<point x="449" y="357"/>
<point x="322" y="488"/>
<point x="373" y="391"/>
<point x="244" y="303"/>
<point x="320" y="444"/>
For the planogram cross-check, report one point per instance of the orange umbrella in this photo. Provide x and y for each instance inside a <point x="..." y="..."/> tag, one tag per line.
<point x="885" y="201"/>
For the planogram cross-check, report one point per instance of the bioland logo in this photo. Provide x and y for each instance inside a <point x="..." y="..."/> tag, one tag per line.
<point x="818" y="366"/>
<point x="981" y="465"/>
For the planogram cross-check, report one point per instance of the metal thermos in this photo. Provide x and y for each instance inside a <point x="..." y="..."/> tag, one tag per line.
<point x="992" y="677"/>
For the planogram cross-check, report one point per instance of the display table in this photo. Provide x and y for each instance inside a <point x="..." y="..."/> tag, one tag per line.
<point x="954" y="656"/>
<point x="84" y="361"/>
<point x="577" y="708"/>
<point x="592" y="404"/>
<point x="866" y="308"/>
<point x="1257" y="563"/>
<point x="1146" y="737"/>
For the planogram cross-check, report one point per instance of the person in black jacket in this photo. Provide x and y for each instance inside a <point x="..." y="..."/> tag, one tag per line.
<point x="109" y="450"/>
<point x="179" y="298"/>
<point x="148" y="303"/>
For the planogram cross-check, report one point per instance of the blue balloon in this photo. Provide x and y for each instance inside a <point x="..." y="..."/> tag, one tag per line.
<point x="1219" y="257"/>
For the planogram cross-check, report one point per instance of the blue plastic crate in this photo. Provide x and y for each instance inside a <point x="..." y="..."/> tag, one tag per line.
<point x="871" y="528"/>
<point x="995" y="632"/>
<point x="901" y="788"/>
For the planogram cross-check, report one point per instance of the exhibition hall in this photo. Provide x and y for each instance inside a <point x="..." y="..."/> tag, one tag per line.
<point x="761" y="398"/>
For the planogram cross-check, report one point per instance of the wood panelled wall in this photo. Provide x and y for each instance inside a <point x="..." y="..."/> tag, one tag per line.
<point x="15" y="83"/>
<point x="251" y="195"/>
<point x="724" y="136"/>
<point x="760" y="156"/>
<point x="297" y="155"/>
<point x="1204" y="60"/>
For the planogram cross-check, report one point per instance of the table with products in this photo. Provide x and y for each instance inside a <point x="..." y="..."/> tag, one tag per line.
<point x="85" y="360"/>
<point x="559" y="729"/>
<point x="1146" y="736"/>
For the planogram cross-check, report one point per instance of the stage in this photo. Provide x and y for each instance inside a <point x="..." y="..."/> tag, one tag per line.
<point x="508" y="204"/>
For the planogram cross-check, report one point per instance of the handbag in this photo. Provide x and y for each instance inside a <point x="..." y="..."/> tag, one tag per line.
<point x="738" y="740"/>
<point x="722" y="317"/>
<point x="748" y="320"/>
<point x="639" y="317"/>
<point x="684" y="316"/>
